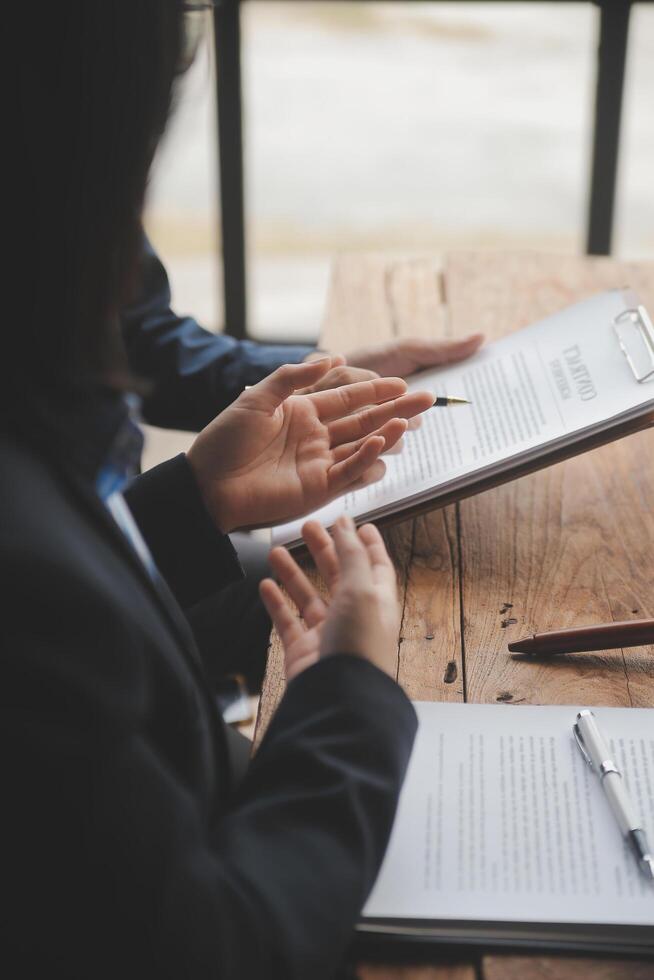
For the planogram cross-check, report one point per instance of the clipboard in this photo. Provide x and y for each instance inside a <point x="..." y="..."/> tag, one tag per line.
<point x="630" y="326"/>
<point x="635" y="334"/>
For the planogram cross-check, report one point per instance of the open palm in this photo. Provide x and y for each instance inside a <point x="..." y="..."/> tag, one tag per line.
<point x="273" y="455"/>
<point x="361" y="615"/>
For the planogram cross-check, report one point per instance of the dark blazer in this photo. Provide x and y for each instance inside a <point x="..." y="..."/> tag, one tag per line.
<point x="127" y="851"/>
<point x="194" y="374"/>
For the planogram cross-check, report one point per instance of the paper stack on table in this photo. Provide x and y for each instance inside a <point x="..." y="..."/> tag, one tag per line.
<point x="503" y="834"/>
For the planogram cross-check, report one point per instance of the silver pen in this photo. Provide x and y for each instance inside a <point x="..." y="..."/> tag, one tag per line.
<point x="596" y="753"/>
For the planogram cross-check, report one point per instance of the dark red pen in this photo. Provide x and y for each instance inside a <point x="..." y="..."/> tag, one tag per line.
<point x="579" y="639"/>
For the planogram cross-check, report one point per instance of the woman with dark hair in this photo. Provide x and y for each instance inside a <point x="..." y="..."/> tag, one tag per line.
<point x="129" y="845"/>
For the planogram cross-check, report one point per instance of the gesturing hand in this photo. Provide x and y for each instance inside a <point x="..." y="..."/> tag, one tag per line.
<point x="273" y="456"/>
<point x="362" y="617"/>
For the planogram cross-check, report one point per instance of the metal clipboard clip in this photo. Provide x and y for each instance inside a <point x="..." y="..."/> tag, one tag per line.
<point x="635" y="334"/>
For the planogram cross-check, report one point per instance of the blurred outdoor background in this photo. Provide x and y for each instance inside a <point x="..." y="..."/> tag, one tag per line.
<point x="400" y="127"/>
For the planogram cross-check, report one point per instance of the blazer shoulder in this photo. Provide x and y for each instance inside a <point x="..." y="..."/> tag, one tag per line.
<point x="71" y="619"/>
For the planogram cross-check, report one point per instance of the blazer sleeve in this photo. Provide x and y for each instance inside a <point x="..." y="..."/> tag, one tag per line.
<point x="192" y="555"/>
<point x="192" y="374"/>
<point x="309" y="827"/>
<point x="116" y="865"/>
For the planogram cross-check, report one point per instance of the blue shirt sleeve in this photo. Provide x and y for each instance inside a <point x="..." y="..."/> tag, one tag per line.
<point x="191" y="374"/>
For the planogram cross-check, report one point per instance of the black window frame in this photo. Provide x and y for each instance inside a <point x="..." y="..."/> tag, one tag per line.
<point x="611" y="64"/>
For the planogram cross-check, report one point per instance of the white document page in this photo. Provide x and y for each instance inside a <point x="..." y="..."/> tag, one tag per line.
<point x="538" y="386"/>
<point x="501" y="819"/>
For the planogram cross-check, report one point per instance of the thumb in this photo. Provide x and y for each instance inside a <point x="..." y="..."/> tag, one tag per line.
<point x="429" y="353"/>
<point x="278" y="386"/>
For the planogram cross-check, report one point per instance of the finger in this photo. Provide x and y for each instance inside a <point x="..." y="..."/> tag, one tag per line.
<point x="278" y="386"/>
<point x="380" y="561"/>
<point x="372" y="475"/>
<point x="338" y="360"/>
<point x="415" y="423"/>
<point x="396" y="449"/>
<point x="338" y="402"/>
<point x="317" y="355"/>
<point x="311" y="607"/>
<point x="372" y="418"/>
<point x="428" y="353"/>
<point x="342" y="474"/>
<point x="391" y="433"/>
<point x="322" y="550"/>
<point x="352" y="555"/>
<point x="337" y="377"/>
<point x="284" y="620"/>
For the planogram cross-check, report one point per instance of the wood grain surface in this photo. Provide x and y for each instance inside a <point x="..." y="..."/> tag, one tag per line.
<point x="563" y="968"/>
<point x="456" y="971"/>
<point x="569" y="545"/>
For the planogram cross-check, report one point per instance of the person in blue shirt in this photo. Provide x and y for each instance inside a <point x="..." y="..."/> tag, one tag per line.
<point x="192" y="375"/>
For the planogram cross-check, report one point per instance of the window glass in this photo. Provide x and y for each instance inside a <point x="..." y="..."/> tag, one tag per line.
<point x="182" y="213"/>
<point x="408" y="127"/>
<point x="634" y="228"/>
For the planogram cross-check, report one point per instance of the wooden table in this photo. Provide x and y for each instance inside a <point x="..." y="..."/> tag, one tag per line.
<point x="572" y="544"/>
